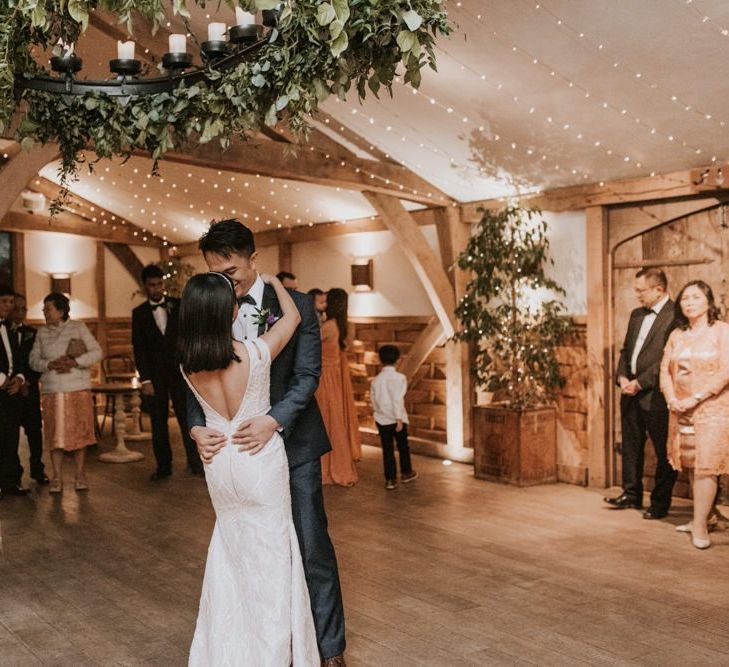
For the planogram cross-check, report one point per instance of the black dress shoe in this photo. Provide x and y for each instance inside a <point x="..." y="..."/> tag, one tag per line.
<point x="42" y="480"/>
<point x="160" y="474"/>
<point x="653" y="513"/>
<point x="16" y="491"/>
<point x="623" y="502"/>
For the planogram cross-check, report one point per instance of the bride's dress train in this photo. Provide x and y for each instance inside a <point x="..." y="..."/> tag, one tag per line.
<point x="254" y="607"/>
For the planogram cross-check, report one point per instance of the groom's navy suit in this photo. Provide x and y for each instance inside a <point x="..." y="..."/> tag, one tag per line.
<point x="294" y="379"/>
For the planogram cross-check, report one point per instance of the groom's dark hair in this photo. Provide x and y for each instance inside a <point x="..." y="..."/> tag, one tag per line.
<point x="204" y="342"/>
<point x="227" y="237"/>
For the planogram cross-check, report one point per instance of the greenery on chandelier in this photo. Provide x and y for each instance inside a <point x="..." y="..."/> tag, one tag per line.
<point x="320" y="47"/>
<point x="509" y="311"/>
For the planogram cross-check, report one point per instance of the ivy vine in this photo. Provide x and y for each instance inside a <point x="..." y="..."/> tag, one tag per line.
<point x="319" y="48"/>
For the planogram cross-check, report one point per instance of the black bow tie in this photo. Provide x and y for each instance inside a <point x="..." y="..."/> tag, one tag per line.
<point x="161" y="304"/>
<point x="649" y="311"/>
<point x="3" y="323"/>
<point x="246" y="299"/>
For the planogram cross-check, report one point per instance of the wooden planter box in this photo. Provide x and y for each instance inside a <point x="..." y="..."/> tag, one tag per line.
<point x="516" y="447"/>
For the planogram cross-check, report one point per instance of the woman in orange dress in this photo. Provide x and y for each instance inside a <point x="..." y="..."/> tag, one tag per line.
<point x="335" y="396"/>
<point x="695" y="382"/>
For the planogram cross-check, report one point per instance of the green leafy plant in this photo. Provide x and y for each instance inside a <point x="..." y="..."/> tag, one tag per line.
<point x="319" y="48"/>
<point x="511" y="312"/>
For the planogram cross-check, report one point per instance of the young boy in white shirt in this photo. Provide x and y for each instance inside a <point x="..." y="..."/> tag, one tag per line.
<point x="387" y="394"/>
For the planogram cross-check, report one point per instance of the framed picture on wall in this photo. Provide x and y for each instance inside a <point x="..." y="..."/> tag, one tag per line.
<point x="6" y="258"/>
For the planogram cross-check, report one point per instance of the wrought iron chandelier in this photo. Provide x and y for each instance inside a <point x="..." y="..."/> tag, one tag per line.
<point x="217" y="53"/>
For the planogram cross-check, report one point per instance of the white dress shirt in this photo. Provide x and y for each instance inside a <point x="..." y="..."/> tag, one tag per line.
<point x="645" y="328"/>
<point x="8" y="351"/>
<point x="160" y="314"/>
<point x="387" y="393"/>
<point x="245" y="326"/>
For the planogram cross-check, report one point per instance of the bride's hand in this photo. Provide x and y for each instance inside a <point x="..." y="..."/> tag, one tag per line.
<point x="268" y="278"/>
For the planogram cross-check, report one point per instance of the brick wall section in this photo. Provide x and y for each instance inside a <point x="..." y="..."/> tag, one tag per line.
<point x="572" y="454"/>
<point x="425" y="400"/>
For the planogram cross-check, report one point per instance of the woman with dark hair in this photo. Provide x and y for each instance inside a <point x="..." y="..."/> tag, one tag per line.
<point x="254" y="607"/>
<point x="695" y="383"/>
<point x="63" y="352"/>
<point x="336" y="397"/>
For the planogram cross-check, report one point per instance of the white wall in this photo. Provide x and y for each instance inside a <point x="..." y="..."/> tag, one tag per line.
<point x="51" y="252"/>
<point x="567" y="233"/>
<point x="397" y="289"/>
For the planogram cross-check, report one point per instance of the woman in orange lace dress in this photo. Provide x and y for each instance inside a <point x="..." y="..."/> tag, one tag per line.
<point x="335" y="396"/>
<point x="695" y="382"/>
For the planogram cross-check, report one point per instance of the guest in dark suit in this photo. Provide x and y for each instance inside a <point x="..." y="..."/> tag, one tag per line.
<point x="30" y="403"/>
<point x="229" y="248"/>
<point x="12" y="379"/>
<point x="643" y="409"/>
<point x="154" y="337"/>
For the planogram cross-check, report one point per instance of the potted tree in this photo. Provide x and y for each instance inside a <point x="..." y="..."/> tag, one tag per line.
<point x="513" y="318"/>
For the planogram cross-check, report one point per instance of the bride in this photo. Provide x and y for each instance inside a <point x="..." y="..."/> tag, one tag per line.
<point x="254" y="607"/>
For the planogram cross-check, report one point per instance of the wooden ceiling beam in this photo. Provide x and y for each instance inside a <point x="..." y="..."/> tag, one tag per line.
<point x="19" y="169"/>
<point x="274" y="159"/>
<point x="689" y="182"/>
<point x="317" y="232"/>
<point x="127" y="259"/>
<point x="69" y="223"/>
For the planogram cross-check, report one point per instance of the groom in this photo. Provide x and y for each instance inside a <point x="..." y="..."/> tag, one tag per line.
<point x="228" y="247"/>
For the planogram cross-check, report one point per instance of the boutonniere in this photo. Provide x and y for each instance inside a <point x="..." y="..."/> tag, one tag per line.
<point x="265" y="317"/>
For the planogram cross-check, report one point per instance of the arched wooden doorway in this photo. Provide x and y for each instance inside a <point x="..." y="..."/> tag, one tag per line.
<point x="689" y="242"/>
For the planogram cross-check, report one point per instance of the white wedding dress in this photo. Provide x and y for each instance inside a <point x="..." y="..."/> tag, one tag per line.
<point x="254" y="607"/>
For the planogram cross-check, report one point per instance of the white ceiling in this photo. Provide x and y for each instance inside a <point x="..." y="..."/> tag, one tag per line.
<point x="529" y="95"/>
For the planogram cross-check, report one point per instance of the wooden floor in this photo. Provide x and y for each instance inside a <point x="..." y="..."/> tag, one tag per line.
<point x="448" y="570"/>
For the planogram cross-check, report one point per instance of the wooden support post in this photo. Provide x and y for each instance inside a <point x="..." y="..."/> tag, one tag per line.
<point x="19" y="170"/>
<point x="421" y="256"/>
<point x="285" y="256"/>
<point x="18" y="244"/>
<point x="101" y="296"/>
<point x="598" y="354"/>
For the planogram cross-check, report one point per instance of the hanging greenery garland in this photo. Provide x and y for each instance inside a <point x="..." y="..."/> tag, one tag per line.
<point x="319" y="48"/>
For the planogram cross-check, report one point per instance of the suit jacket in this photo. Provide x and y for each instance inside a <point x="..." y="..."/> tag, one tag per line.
<point x="25" y="337"/>
<point x="294" y="379"/>
<point x="648" y="364"/>
<point x="20" y="363"/>
<point x="155" y="354"/>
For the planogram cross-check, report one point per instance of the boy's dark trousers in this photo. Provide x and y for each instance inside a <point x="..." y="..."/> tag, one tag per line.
<point x="387" y="435"/>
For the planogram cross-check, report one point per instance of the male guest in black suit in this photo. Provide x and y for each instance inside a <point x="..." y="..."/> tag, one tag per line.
<point x="228" y="247"/>
<point x="643" y="410"/>
<point x="30" y="410"/>
<point x="12" y="379"/>
<point x="154" y="337"/>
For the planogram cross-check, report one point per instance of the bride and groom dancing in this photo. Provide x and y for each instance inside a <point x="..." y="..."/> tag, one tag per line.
<point x="271" y="593"/>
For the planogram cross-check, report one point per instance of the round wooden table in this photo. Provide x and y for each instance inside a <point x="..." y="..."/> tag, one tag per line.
<point x="120" y="454"/>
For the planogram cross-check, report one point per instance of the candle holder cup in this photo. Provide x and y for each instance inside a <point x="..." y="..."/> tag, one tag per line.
<point x="175" y="61"/>
<point x="245" y="34"/>
<point x="125" y="66"/>
<point x="215" y="49"/>
<point x="69" y="64"/>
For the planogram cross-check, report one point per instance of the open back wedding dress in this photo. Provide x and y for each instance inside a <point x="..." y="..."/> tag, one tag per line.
<point x="254" y="607"/>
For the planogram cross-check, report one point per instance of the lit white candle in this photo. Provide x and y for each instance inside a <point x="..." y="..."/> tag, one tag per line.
<point x="178" y="44"/>
<point x="216" y="32"/>
<point x="125" y="50"/>
<point x="244" y="18"/>
<point x="66" y="49"/>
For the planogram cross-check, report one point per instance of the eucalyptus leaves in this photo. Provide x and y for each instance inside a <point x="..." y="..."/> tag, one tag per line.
<point x="320" y="47"/>
<point x="509" y="311"/>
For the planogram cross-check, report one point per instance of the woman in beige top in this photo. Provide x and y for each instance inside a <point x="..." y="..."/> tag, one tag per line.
<point x="695" y="382"/>
<point x="63" y="352"/>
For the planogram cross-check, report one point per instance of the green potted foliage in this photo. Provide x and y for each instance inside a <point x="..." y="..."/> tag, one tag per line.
<point x="512" y="315"/>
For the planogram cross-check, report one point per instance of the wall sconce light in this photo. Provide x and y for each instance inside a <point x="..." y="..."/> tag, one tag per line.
<point x="61" y="282"/>
<point x="362" y="276"/>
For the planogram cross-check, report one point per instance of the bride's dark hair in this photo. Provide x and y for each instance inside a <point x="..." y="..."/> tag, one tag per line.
<point x="204" y="340"/>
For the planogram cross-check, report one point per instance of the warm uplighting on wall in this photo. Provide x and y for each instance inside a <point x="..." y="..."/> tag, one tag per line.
<point x="362" y="278"/>
<point x="61" y="282"/>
